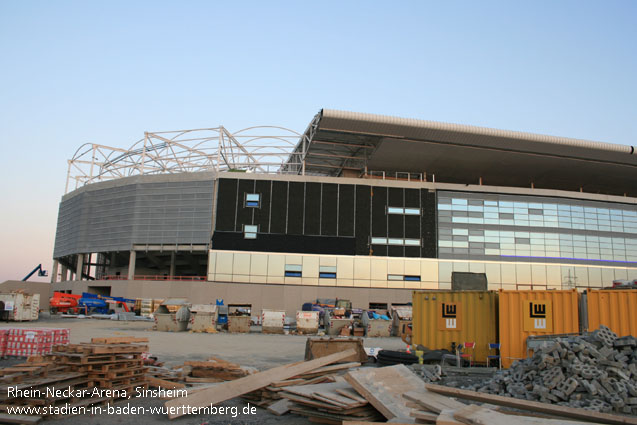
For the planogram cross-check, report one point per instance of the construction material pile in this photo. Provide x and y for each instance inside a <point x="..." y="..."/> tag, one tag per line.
<point x="597" y="371"/>
<point x="75" y="376"/>
<point x="196" y="372"/>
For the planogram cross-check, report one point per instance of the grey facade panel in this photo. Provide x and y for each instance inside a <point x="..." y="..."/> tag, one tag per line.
<point x="113" y="218"/>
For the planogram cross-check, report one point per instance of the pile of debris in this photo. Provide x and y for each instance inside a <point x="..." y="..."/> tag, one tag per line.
<point x="100" y="372"/>
<point x="596" y="371"/>
<point x="196" y="372"/>
<point x="314" y="389"/>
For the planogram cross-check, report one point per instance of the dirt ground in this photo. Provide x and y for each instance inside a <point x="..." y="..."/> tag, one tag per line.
<point x="261" y="351"/>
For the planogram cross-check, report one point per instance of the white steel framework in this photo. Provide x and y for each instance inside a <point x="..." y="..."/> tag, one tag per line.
<point x="262" y="149"/>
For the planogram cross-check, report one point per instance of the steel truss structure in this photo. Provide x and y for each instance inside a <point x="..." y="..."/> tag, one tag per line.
<point x="262" y="149"/>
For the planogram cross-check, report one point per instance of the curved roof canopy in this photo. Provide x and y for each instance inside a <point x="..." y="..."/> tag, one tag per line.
<point x="338" y="142"/>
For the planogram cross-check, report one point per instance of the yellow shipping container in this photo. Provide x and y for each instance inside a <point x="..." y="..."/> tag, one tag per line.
<point x="443" y="317"/>
<point x="525" y="313"/>
<point x="616" y="309"/>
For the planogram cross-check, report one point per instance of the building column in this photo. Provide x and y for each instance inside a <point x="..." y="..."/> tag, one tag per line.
<point x="131" y="265"/>
<point x="172" y="264"/>
<point x="80" y="265"/>
<point x="54" y="272"/>
<point x="65" y="274"/>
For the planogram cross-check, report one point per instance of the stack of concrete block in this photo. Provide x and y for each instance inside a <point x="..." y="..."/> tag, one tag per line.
<point x="596" y="371"/>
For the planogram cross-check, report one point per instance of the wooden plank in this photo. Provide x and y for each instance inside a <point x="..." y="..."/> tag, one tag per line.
<point x="351" y="393"/>
<point x="477" y="415"/>
<point x="232" y="389"/>
<point x="561" y="411"/>
<point x="427" y="417"/>
<point x="432" y="401"/>
<point x="383" y="388"/>
<point x="156" y="382"/>
<point x="118" y="340"/>
<point x="5" y="418"/>
<point x="287" y="383"/>
<point x="371" y="423"/>
<point x="325" y="392"/>
<point x="281" y="407"/>
<point x="446" y="418"/>
<point x="330" y="369"/>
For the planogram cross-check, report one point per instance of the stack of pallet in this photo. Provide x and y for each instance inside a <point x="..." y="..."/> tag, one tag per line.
<point x="113" y="364"/>
<point x="109" y="363"/>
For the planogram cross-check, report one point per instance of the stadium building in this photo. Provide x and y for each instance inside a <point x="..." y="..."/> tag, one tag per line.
<point x="359" y="206"/>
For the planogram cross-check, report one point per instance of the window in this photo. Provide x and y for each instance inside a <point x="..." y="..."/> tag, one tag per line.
<point x="410" y="278"/>
<point x="404" y="211"/>
<point x="395" y="241"/>
<point x="293" y="270"/>
<point x="250" y="231"/>
<point x="253" y="200"/>
<point x="327" y="272"/>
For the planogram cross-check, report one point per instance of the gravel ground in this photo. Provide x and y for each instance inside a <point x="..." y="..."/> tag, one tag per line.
<point x="261" y="351"/>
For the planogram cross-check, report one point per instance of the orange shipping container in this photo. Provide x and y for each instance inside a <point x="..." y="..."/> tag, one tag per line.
<point x="616" y="309"/>
<point x="526" y="313"/>
<point x="443" y="317"/>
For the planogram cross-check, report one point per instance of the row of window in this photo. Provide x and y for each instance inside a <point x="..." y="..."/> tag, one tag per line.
<point x="553" y="214"/>
<point x="329" y="272"/>
<point x="395" y="241"/>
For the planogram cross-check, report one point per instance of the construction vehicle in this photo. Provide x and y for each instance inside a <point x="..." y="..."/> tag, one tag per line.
<point x="39" y="269"/>
<point x="64" y="303"/>
<point x="102" y="304"/>
<point x="87" y="303"/>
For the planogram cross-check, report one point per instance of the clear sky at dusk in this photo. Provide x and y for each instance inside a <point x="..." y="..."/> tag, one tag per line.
<point x="105" y="72"/>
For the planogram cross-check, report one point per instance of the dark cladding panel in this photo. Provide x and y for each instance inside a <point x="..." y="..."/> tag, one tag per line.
<point x="363" y="204"/>
<point x="395" y="222"/>
<point x="395" y="251"/>
<point x="312" y="209"/>
<point x="428" y="221"/>
<point x="412" y="198"/>
<point x="379" y="212"/>
<point x="346" y="210"/>
<point x="226" y="204"/>
<point x="329" y="209"/>
<point x="284" y="243"/>
<point x="262" y="214"/>
<point x="379" y="250"/>
<point x="244" y="214"/>
<point x="295" y="208"/>
<point x="279" y="207"/>
<point x="412" y="226"/>
<point x="412" y="251"/>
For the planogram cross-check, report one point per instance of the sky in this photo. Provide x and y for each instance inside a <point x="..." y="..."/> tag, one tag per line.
<point x="73" y="72"/>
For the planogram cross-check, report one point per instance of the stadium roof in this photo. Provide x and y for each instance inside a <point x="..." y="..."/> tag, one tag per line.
<point x="339" y="142"/>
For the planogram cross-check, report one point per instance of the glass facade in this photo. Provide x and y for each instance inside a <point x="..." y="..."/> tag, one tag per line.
<point x="478" y="226"/>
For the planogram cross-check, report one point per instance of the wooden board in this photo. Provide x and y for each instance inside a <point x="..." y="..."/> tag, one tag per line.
<point x="446" y="418"/>
<point x="477" y="415"/>
<point x="5" y="418"/>
<point x="281" y="407"/>
<point x="330" y="369"/>
<point x="351" y="393"/>
<point x="118" y="340"/>
<point x="326" y="393"/>
<point x="561" y="411"/>
<point x="156" y="382"/>
<point x="427" y="417"/>
<point x="232" y="389"/>
<point x="432" y="401"/>
<point x="383" y="387"/>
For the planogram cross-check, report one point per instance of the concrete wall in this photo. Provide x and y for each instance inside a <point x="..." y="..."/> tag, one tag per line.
<point x="288" y="297"/>
<point x="43" y="288"/>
